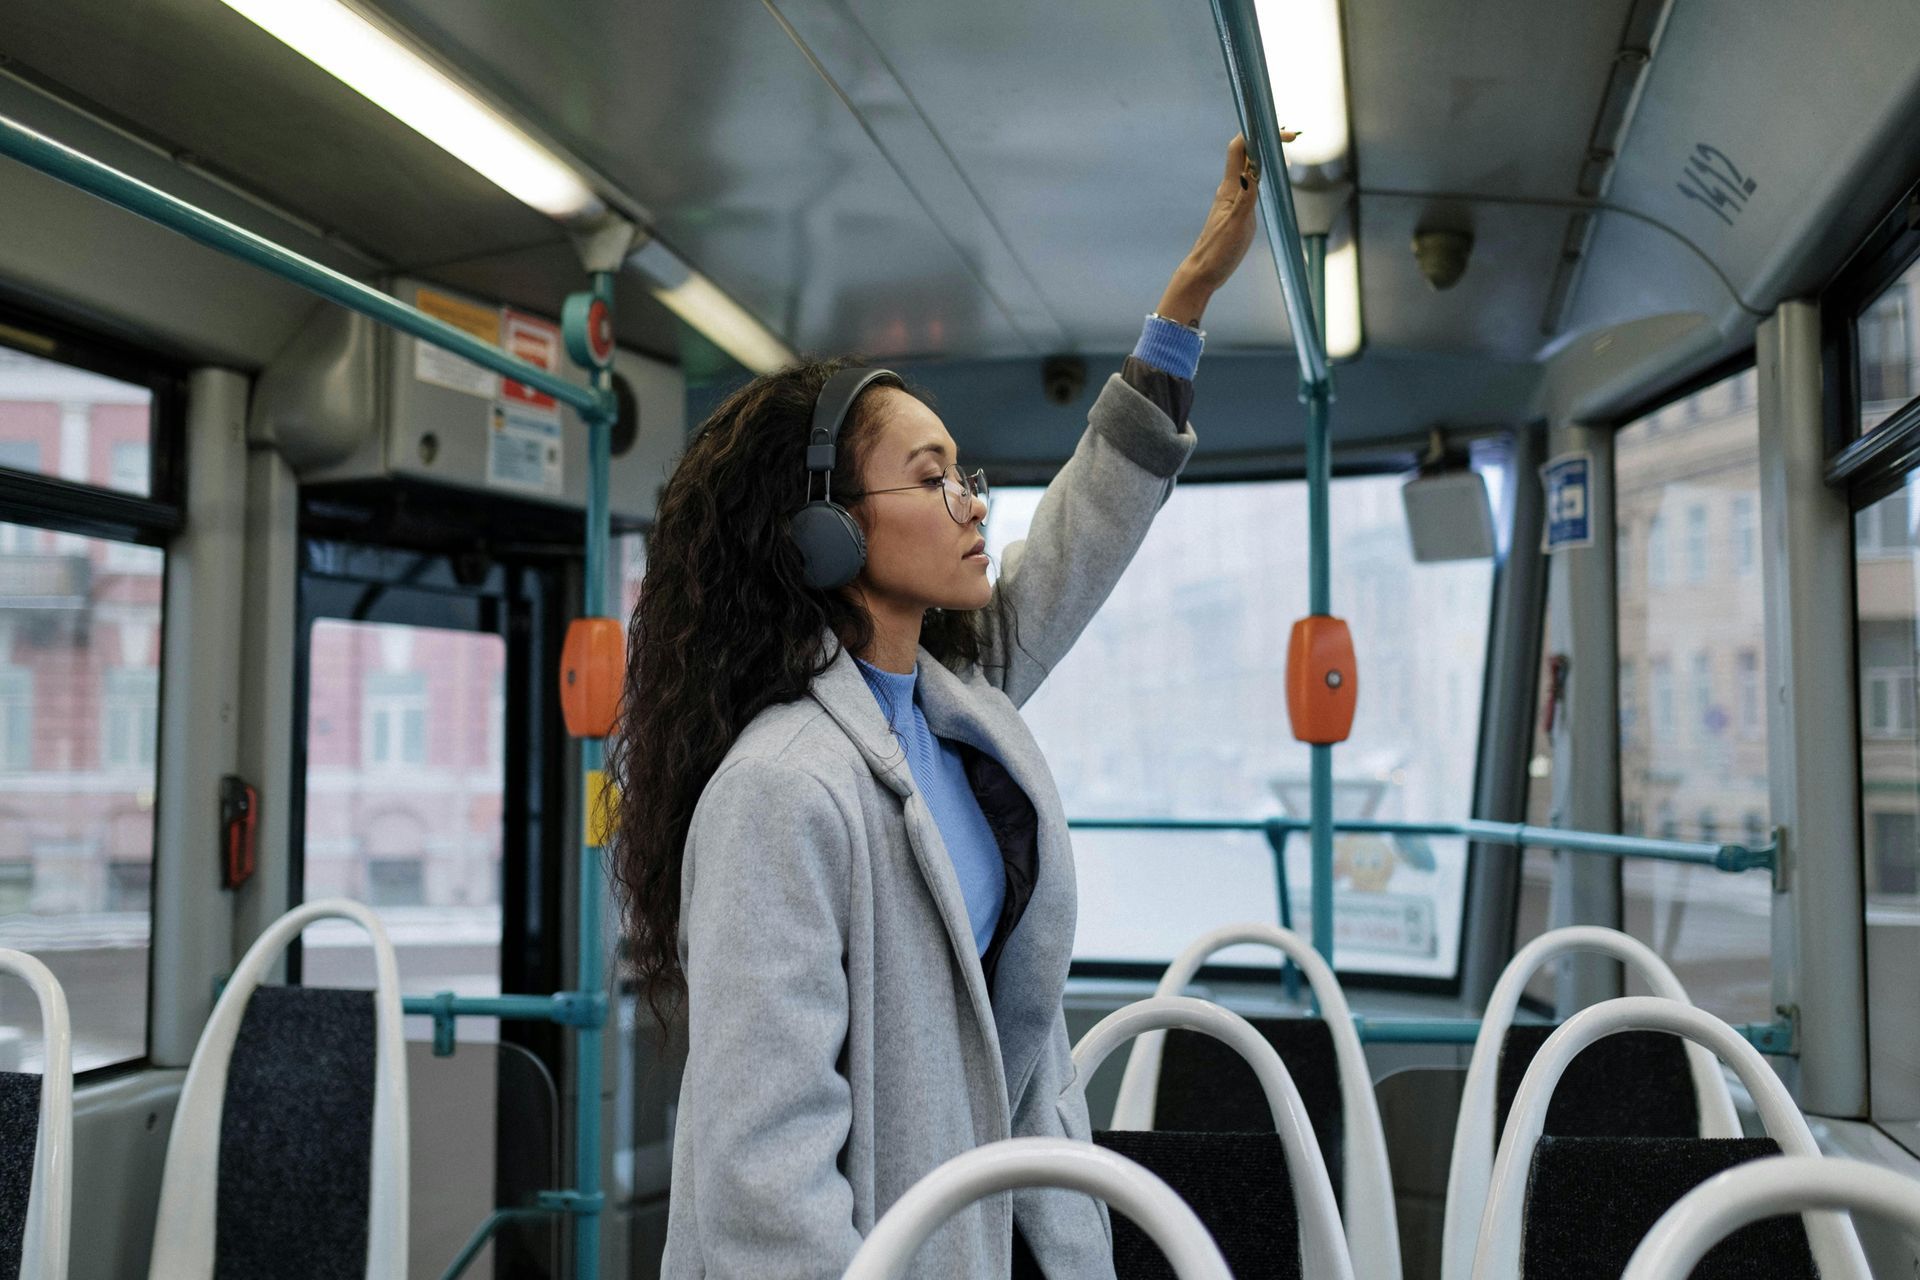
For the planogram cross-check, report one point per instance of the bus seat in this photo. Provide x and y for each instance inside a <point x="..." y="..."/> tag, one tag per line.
<point x="1238" y="1186"/>
<point x="1203" y="1089"/>
<point x="1218" y="1169"/>
<point x="1633" y="1085"/>
<point x="1583" y="1187"/>
<point x="1592" y="1200"/>
<point x="1754" y="1193"/>
<point x="1014" y="1163"/>
<point x="288" y="1155"/>
<point x="36" y="1139"/>
<point x="1504" y="1049"/>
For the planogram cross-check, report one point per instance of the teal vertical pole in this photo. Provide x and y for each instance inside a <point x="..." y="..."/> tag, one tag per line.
<point x="592" y="979"/>
<point x="1319" y="593"/>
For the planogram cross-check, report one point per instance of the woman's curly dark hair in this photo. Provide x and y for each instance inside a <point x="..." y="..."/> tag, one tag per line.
<point x="724" y="628"/>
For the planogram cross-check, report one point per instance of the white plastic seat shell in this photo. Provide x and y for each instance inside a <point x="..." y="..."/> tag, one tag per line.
<point x="1760" y="1189"/>
<point x="1323" y="1248"/>
<point x="47" y="1238"/>
<point x="1038" y="1162"/>
<point x="1373" y="1230"/>
<point x="1836" y="1248"/>
<point x="1470" y="1170"/>
<point x="183" y="1242"/>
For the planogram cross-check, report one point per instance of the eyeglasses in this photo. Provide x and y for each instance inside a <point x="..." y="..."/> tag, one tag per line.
<point x="958" y="487"/>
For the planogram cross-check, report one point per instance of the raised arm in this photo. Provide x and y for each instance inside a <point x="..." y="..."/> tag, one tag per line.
<point x="767" y="1108"/>
<point x="1094" y="515"/>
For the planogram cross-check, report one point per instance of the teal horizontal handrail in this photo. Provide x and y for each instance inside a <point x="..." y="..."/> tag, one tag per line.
<point x="40" y="152"/>
<point x="1769" y="1037"/>
<point x="1729" y="857"/>
<point x="1239" y="33"/>
<point x="565" y="1008"/>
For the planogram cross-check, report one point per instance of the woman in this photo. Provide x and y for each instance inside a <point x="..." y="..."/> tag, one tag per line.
<point x="838" y="841"/>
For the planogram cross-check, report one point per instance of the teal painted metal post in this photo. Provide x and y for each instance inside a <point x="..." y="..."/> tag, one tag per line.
<point x="592" y="977"/>
<point x="1319" y="600"/>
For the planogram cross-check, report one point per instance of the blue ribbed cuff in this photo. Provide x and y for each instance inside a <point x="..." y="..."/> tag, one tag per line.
<point x="1170" y="347"/>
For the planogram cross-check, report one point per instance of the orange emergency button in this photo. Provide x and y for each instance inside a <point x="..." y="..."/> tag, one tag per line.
<point x="592" y="666"/>
<point x="1323" y="682"/>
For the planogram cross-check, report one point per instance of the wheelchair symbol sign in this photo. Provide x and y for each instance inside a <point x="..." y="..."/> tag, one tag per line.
<point x="1568" y="481"/>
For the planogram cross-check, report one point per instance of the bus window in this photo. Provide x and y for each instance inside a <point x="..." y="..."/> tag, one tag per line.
<point x="405" y="783"/>
<point x="80" y="629"/>
<point x="1889" y="354"/>
<point x="1693" y="758"/>
<point x="1172" y="704"/>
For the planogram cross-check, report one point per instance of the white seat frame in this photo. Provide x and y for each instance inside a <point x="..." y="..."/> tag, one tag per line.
<point x="1323" y="1248"/>
<point x="1836" y="1249"/>
<point x="183" y="1242"/>
<point x="46" y="1242"/>
<point x="1760" y="1189"/>
<point x="1038" y="1162"/>
<point x="1471" y="1168"/>
<point x="1373" y="1230"/>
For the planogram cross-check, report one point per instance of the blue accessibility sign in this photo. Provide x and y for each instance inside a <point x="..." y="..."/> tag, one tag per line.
<point x="1569" y="484"/>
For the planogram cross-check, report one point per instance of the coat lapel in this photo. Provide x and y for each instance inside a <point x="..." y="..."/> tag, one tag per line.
<point x="1033" y="967"/>
<point x="843" y="694"/>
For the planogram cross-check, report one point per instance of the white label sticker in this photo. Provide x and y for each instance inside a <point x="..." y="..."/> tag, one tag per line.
<point x="523" y="452"/>
<point x="443" y="368"/>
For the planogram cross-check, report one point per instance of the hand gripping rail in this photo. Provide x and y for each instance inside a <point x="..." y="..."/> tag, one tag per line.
<point x="49" y="1229"/>
<point x="1323" y="1249"/>
<point x="1761" y="1189"/>
<point x="1016" y="1163"/>
<point x="1373" y="1233"/>
<point x="1836" y="1249"/>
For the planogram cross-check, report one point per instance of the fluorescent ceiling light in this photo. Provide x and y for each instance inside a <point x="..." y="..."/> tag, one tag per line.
<point x="699" y="301"/>
<point x="393" y="76"/>
<point x="1306" y="65"/>
<point x="1343" y="301"/>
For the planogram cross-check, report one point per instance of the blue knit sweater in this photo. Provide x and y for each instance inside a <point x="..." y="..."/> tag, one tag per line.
<point x="941" y="776"/>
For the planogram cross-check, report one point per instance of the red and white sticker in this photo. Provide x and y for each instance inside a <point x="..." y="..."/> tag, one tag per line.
<point x="538" y="343"/>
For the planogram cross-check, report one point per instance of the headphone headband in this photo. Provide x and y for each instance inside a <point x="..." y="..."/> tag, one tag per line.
<point x="830" y="413"/>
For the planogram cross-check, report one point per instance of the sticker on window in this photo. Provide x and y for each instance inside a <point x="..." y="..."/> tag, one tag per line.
<point x="1569" y="501"/>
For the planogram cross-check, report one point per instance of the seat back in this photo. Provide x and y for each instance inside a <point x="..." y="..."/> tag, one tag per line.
<point x="1476" y="1134"/>
<point x="1761" y="1189"/>
<point x="1590" y="1201"/>
<point x="1205" y="1087"/>
<point x="1633" y="1085"/>
<point x="1235" y="1183"/>
<point x="1323" y="1245"/>
<point x="1346" y="1118"/>
<point x="288" y="1155"/>
<point x="1836" y="1249"/>
<point x="36" y="1139"/>
<point x="1014" y="1163"/>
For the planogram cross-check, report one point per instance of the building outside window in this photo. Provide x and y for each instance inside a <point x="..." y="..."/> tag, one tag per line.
<point x="396" y="718"/>
<point x="130" y="718"/>
<point x="1886" y="355"/>
<point x="16" y="719"/>
<point x="1715" y="929"/>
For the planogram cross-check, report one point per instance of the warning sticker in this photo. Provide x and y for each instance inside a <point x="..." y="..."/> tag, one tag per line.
<point x="538" y="343"/>
<point x="523" y="452"/>
<point x="443" y="368"/>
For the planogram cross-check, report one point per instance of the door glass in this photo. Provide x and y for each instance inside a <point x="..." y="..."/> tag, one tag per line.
<point x="73" y="424"/>
<point x="404" y="796"/>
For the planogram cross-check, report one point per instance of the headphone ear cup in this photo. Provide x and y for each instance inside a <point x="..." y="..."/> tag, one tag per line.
<point x="832" y="547"/>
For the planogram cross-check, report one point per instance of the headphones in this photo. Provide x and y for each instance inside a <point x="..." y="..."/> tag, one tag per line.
<point x="832" y="548"/>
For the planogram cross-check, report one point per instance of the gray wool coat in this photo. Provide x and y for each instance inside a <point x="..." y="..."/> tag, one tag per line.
<point x="842" y="1038"/>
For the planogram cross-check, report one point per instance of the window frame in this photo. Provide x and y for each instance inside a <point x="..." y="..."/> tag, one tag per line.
<point x="52" y="504"/>
<point x="1893" y="448"/>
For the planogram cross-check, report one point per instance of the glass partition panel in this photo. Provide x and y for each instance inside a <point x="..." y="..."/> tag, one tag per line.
<point x="1172" y="704"/>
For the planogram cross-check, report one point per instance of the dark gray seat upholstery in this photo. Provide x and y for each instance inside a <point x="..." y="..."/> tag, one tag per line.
<point x="19" y="1138"/>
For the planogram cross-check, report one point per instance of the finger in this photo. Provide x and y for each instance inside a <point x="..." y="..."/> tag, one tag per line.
<point x="1236" y="157"/>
